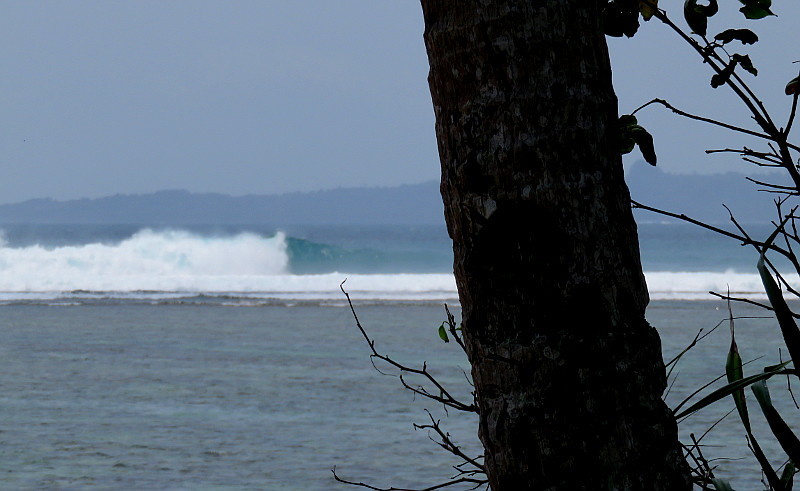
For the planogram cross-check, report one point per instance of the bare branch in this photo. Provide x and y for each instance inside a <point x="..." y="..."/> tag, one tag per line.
<point x="707" y="120"/>
<point x="743" y="239"/>
<point x="468" y="480"/>
<point x="753" y="97"/>
<point x="759" y="118"/>
<point x="788" y="189"/>
<point x="451" y="322"/>
<point x="447" y="444"/>
<point x="748" y="301"/>
<point x="760" y="164"/>
<point x="444" y="398"/>
<point x="747" y="152"/>
<point x="745" y="94"/>
<point x="697" y="338"/>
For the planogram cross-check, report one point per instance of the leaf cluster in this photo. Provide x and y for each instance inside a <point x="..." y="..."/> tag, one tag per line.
<point x="745" y="36"/>
<point x="630" y="134"/>
<point x="621" y="18"/>
<point x="785" y="240"/>
<point x="697" y="15"/>
<point x="793" y="86"/>
<point x="756" y="9"/>
<point x="725" y="74"/>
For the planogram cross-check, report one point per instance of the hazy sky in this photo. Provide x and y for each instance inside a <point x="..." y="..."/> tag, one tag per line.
<point x="264" y="96"/>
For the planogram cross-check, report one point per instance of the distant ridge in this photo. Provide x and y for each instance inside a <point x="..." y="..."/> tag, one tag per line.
<point x="406" y="205"/>
<point x="699" y="196"/>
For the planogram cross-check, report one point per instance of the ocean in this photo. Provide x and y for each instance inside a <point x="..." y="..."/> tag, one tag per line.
<point x="213" y="357"/>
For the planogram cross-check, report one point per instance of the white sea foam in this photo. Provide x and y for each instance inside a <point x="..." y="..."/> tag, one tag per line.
<point x="668" y="285"/>
<point x="149" y="260"/>
<point x="171" y="264"/>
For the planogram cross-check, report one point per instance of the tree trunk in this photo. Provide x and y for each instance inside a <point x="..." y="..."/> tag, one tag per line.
<point x="567" y="371"/>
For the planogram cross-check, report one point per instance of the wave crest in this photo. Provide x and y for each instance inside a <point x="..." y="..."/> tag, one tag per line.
<point x="159" y="264"/>
<point x="148" y="260"/>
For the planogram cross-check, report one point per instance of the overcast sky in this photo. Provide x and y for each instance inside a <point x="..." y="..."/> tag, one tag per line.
<point x="267" y="96"/>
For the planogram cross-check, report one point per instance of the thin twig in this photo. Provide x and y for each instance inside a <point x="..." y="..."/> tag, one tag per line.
<point x="791" y="189"/>
<point x="444" y="398"/>
<point x="728" y="126"/>
<point x="768" y="156"/>
<point x="744" y="240"/>
<point x="448" y="444"/>
<point x="759" y="118"/>
<point x="451" y="322"/>
<point x="690" y="396"/>
<point x="747" y="300"/>
<point x="698" y="337"/>
<point x="469" y="480"/>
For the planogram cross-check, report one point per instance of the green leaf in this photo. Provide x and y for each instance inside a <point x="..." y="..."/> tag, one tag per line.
<point x="766" y="466"/>
<point x="626" y="145"/>
<point x="745" y="36"/>
<point x="723" y="77"/>
<point x="645" y="141"/>
<point x="443" y="333"/>
<point x="787" y="477"/>
<point x="627" y="120"/>
<point x="756" y="9"/>
<point x="648" y="9"/>
<point x="734" y="372"/>
<point x="729" y="389"/>
<point x="631" y="134"/>
<point x="745" y="62"/>
<point x="793" y="86"/>
<point x="791" y="335"/>
<point x="709" y="10"/>
<point x="695" y="18"/>
<point x="755" y="12"/>
<point x="624" y="125"/>
<point x="721" y="485"/>
<point x="697" y="15"/>
<point x="786" y="438"/>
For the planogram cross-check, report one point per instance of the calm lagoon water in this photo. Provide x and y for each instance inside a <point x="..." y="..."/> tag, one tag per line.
<point x="141" y="396"/>
<point x="213" y="397"/>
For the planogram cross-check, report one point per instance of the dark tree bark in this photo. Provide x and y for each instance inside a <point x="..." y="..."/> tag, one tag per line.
<point x="568" y="372"/>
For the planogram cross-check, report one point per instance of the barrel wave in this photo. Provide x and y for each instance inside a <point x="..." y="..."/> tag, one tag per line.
<point x="159" y="263"/>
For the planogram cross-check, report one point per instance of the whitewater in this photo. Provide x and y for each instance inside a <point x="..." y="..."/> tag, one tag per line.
<point x="169" y="264"/>
<point x="153" y="264"/>
<point x="145" y="357"/>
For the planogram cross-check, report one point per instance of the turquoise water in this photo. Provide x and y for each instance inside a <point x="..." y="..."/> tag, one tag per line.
<point x="257" y="264"/>
<point x="396" y="249"/>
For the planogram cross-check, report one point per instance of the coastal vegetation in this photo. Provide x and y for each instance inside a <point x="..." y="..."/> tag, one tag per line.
<point x="567" y="373"/>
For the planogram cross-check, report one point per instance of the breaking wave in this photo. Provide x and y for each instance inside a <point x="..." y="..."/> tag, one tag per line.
<point x="149" y="260"/>
<point x="168" y="264"/>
